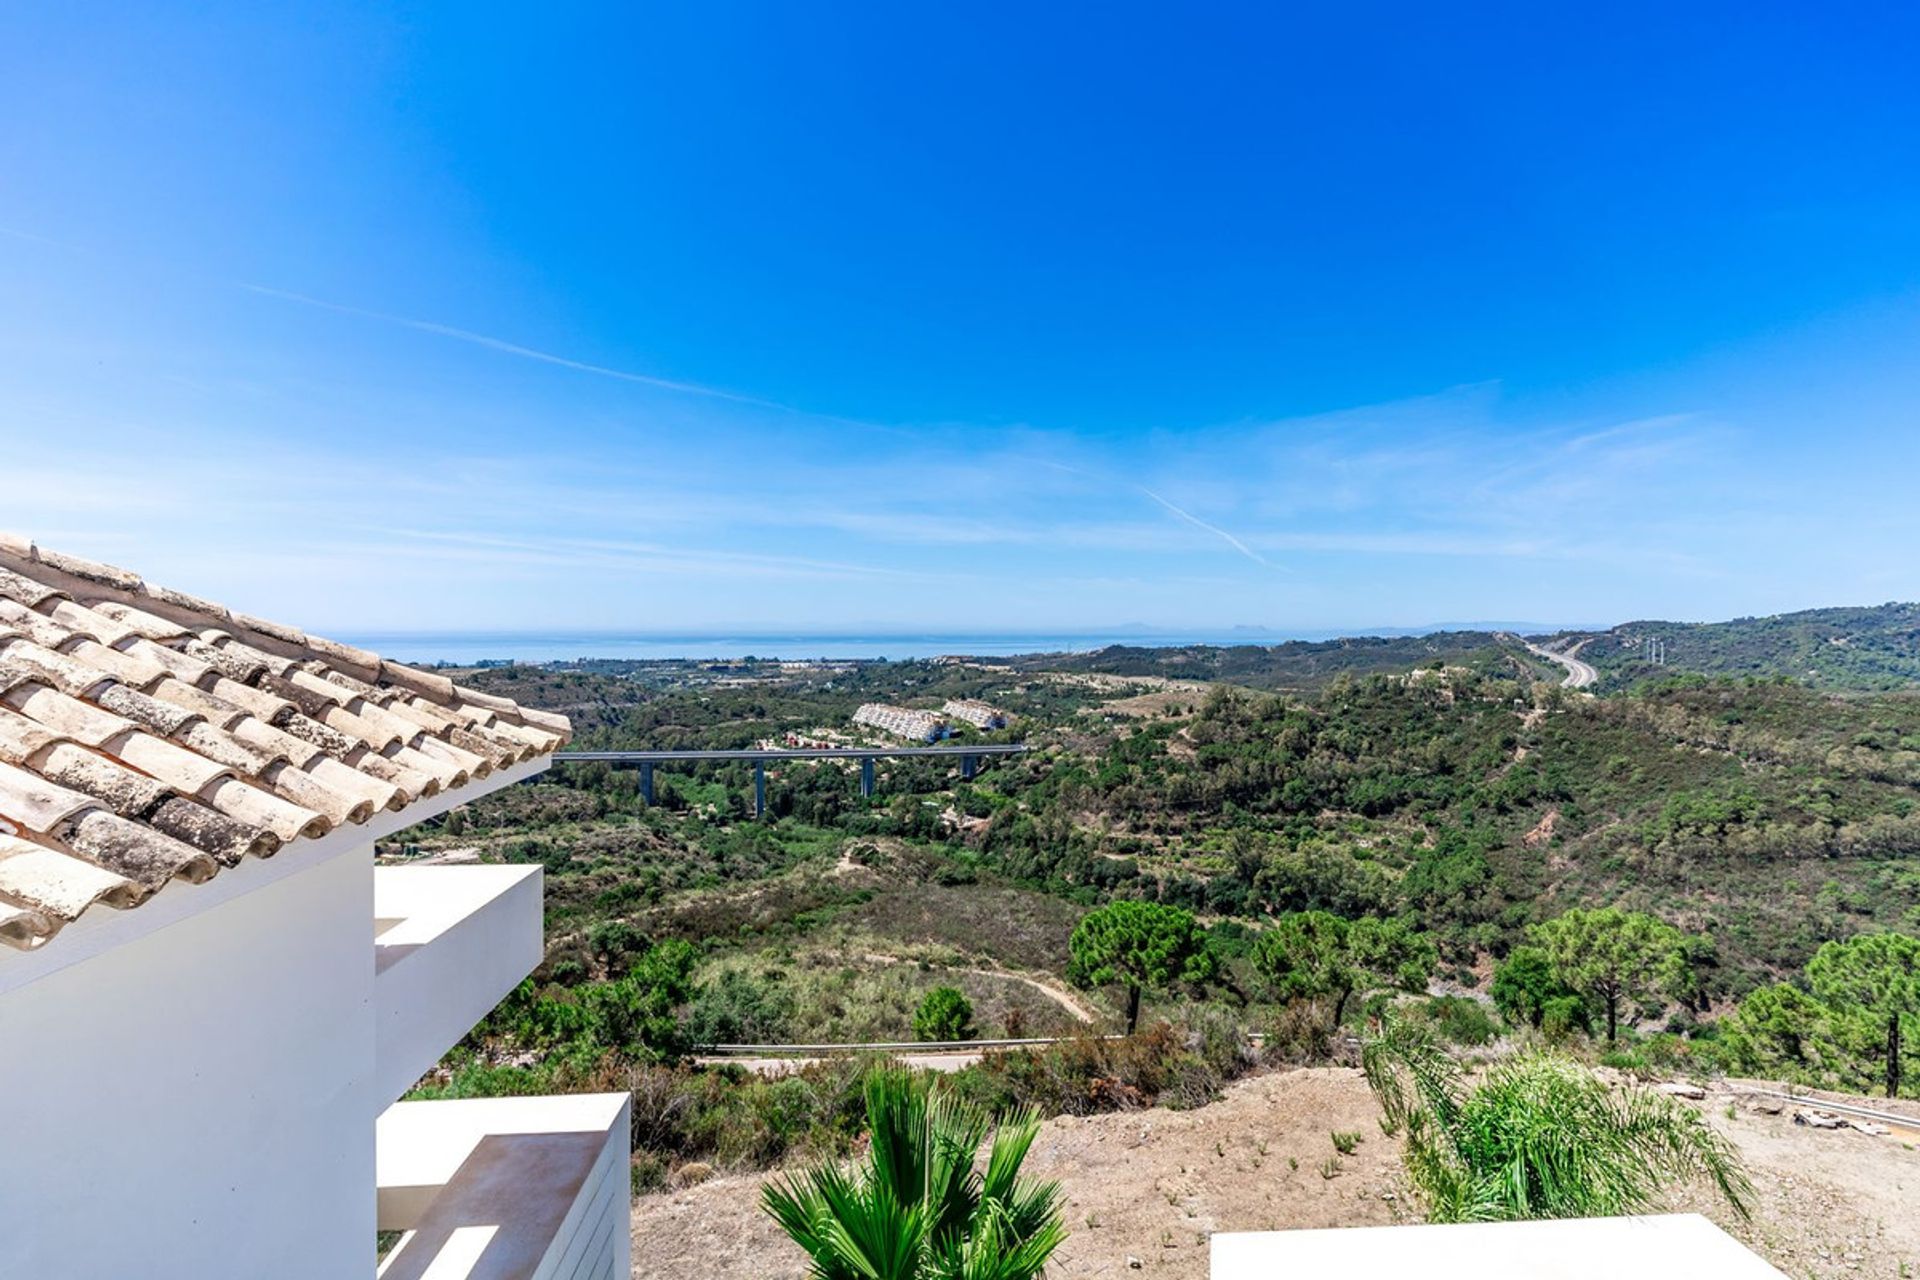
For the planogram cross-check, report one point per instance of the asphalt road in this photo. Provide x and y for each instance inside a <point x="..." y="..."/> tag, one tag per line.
<point x="1579" y="674"/>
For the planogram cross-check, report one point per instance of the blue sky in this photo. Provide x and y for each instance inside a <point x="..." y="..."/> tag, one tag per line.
<point x="984" y="317"/>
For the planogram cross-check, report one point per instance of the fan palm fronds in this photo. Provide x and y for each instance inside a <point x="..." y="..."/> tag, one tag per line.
<point x="1540" y="1137"/>
<point x="917" y="1209"/>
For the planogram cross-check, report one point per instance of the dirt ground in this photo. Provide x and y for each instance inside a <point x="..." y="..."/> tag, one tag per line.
<point x="1149" y="1187"/>
<point x="1829" y="1203"/>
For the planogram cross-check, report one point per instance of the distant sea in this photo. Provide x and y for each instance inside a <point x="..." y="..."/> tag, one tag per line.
<point x="464" y="648"/>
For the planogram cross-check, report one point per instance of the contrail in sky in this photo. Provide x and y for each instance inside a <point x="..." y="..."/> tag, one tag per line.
<point x="1185" y="515"/>
<point x="515" y="349"/>
<point x="1215" y="530"/>
<point x="500" y="345"/>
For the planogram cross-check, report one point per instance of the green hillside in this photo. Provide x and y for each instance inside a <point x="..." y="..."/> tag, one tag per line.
<point x="1860" y="649"/>
<point x="1299" y="665"/>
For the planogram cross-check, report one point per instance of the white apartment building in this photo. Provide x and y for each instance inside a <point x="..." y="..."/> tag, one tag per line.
<point x="211" y="999"/>
<point x="979" y="714"/>
<point x="902" y="722"/>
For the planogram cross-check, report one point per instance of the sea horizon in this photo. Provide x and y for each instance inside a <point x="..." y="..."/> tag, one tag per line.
<point x="467" y="648"/>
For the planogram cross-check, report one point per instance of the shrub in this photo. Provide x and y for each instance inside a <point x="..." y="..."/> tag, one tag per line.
<point x="916" y="1205"/>
<point x="1460" y="1020"/>
<point x="1562" y="1017"/>
<point x="1298" y="1035"/>
<point x="1539" y="1137"/>
<point x="737" y="1008"/>
<point x="945" y="1014"/>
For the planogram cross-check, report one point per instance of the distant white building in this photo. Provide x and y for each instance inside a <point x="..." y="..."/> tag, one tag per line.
<point x="211" y="998"/>
<point x="902" y="722"/>
<point x="979" y="714"/>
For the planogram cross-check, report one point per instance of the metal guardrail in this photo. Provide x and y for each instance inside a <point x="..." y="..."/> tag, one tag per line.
<point x="1844" y="1108"/>
<point x="884" y="1046"/>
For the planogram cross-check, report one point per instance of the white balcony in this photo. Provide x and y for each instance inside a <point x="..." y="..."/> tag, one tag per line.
<point x="449" y="944"/>
<point x="1669" y="1247"/>
<point x="506" y="1188"/>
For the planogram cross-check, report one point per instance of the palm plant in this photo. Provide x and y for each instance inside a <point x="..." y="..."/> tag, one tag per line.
<point x="917" y="1209"/>
<point x="1539" y="1137"/>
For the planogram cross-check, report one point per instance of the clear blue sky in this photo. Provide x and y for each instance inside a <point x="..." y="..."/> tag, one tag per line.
<point x="981" y="316"/>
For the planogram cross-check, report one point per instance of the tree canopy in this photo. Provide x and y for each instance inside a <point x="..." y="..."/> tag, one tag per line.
<point x="1526" y="991"/>
<point x="1139" y="945"/>
<point x="1612" y="955"/>
<point x="1878" y="973"/>
<point x="1312" y="955"/>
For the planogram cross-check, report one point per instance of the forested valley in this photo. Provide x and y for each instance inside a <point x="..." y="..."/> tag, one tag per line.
<point x="1710" y="875"/>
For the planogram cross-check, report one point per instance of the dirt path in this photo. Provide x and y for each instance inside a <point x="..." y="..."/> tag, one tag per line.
<point x="1070" y="1001"/>
<point x="1830" y="1203"/>
<point x="1151" y="1186"/>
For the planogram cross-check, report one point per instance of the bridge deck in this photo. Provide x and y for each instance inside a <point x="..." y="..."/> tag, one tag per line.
<point x="796" y="753"/>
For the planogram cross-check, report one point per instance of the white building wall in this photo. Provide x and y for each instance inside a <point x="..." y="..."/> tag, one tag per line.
<point x="197" y="1101"/>
<point x="455" y="942"/>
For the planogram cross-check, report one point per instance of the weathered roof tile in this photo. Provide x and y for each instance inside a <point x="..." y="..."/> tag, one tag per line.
<point x="22" y="927"/>
<point x="148" y="735"/>
<point x="132" y="849"/>
<point x="57" y="884"/>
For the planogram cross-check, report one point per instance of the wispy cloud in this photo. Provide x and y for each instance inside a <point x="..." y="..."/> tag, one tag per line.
<point x="504" y="347"/>
<point x="456" y="333"/>
<point x="613" y="553"/>
<point x="1215" y="530"/>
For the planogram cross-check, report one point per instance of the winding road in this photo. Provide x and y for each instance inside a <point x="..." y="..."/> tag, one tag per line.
<point x="1579" y="674"/>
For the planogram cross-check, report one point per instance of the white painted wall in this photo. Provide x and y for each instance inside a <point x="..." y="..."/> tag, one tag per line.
<point x="426" y="1146"/>
<point x="460" y="940"/>
<point x="190" y="1089"/>
<point x="198" y="1101"/>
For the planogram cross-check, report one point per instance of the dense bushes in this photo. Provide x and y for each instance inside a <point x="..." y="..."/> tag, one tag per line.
<point x="727" y="1118"/>
<point x="945" y="1014"/>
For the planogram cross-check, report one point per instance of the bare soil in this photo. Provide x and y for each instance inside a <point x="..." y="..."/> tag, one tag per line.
<point x="1150" y="1186"/>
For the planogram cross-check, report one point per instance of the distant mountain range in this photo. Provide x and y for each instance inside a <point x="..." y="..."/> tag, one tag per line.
<point x="1841" y="649"/>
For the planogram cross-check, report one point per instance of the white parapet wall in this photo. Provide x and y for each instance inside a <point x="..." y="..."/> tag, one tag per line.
<point x="196" y="1101"/>
<point x="1663" y="1247"/>
<point x="450" y="943"/>
<point x="492" y="1188"/>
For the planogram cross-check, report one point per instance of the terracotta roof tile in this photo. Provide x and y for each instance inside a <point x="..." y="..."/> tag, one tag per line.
<point x="59" y="885"/>
<point x="126" y="792"/>
<point x="22" y="928"/>
<point x="148" y="735"/>
<point x="147" y="857"/>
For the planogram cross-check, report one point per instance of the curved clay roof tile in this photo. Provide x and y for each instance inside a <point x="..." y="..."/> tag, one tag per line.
<point x="148" y="735"/>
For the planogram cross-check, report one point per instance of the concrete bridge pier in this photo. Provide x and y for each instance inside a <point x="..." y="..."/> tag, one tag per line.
<point x="759" y="788"/>
<point x="866" y="777"/>
<point x="646" y="781"/>
<point x="967" y="765"/>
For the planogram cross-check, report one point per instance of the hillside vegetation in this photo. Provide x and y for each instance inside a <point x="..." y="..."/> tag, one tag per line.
<point x="1468" y="842"/>
<point x="1762" y="816"/>
<point x="1858" y="649"/>
<point x="1300" y="665"/>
